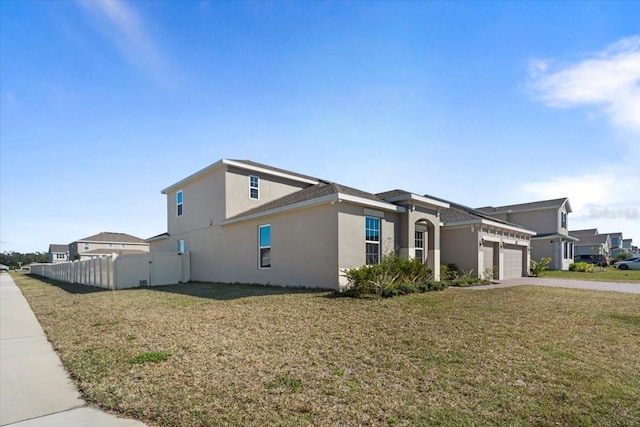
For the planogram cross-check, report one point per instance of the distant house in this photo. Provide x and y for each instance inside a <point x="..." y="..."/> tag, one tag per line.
<point x="549" y="219"/>
<point x="58" y="253"/>
<point x="106" y="243"/>
<point x="627" y="245"/>
<point x="248" y="222"/>
<point x="616" y="244"/>
<point x="591" y="242"/>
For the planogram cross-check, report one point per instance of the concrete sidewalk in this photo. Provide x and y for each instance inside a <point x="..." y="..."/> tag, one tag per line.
<point x="35" y="390"/>
<point x="632" y="288"/>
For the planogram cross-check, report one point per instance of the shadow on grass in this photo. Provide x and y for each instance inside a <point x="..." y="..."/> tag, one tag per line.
<point x="231" y="291"/>
<point x="71" y="288"/>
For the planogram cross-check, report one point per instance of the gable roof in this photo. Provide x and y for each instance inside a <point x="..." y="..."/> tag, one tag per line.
<point x="458" y="213"/>
<point x="596" y="239"/>
<point x="397" y="195"/>
<point x="111" y="237"/>
<point x="530" y="206"/>
<point x="246" y="165"/>
<point x="58" y="248"/>
<point x="618" y="235"/>
<point x="324" y="191"/>
<point x="585" y="232"/>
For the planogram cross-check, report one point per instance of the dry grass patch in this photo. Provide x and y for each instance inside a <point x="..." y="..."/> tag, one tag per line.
<point x="242" y="355"/>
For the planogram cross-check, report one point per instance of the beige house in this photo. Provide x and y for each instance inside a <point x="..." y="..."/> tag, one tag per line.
<point x="591" y="242"/>
<point x="58" y="253"/>
<point x="490" y="248"/>
<point x="106" y="243"/>
<point x="549" y="219"/>
<point x="251" y="223"/>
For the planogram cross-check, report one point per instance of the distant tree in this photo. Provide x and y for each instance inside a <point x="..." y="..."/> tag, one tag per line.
<point x="15" y="259"/>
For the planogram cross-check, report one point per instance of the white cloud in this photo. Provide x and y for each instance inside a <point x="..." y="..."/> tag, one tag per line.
<point x="124" y="27"/>
<point x="606" y="199"/>
<point x="608" y="80"/>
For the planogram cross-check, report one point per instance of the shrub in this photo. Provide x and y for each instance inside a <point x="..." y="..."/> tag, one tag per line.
<point x="449" y="272"/>
<point x="582" y="267"/>
<point x="538" y="268"/>
<point x="393" y="276"/>
<point x="621" y="257"/>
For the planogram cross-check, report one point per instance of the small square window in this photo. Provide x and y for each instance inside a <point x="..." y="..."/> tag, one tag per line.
<point x="86" y="246"/>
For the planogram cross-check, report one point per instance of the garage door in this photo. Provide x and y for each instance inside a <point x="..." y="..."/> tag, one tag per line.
<point x="487" y="253"/>
<point x="512" y="261"/>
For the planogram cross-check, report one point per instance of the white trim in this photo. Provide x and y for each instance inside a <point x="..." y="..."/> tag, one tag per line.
<point x="336" y="197"/>
<point x="223" y="162"/>
<point x="421" y="199"/>
<point x="257" y="187"/>
<point x="489" y="223"/>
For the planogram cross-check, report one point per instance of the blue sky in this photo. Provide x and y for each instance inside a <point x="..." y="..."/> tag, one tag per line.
<point x="105" y="103"/>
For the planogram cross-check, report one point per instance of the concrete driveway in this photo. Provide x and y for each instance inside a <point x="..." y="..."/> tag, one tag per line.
<point x="631" y="288"/>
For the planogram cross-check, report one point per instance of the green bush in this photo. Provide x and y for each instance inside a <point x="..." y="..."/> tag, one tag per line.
<point x="393" y="276"/>
<point x="620" y="257"/>
<point x="582" y="267"/>
<point x="449" y="272"/>
<point x="538" y="268"/>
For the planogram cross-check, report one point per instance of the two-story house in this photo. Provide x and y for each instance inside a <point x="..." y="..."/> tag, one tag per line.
<point x="591" y="242"/>
<point x="615" y="240"/>
<point x="549" y="219"/>
<point x="106" y="243"/>
<point x="58" y="253"/>
<point x="247" y="222"/>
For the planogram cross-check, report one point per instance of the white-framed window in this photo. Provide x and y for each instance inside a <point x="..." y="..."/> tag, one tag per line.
<point x="181" y="246"/>
<point x="110" y="245"/>
<point x="419" y="245"/>
<point x="372" y="240"/>
<point x="123" y="245"/>
<point x="87" y="246"/>
<point x="179" y="203"/>
<point x="264" y="246"/>
<point x="254" y="187"/>
<point x="563" y="220"/>
<point x="60" y="256"/>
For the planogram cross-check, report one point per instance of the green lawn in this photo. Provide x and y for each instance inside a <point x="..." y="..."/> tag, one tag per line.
<point x="607" y="274"/>
<point x="233" y="355"/>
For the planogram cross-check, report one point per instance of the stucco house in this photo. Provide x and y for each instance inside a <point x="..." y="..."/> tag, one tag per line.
<point x="477" y="242"/>
<point x="106" y="243"/>
<point x="591" y="242"/>
<point x="549" y="219"/>
<point x="58" y="253"/>
<point x="247" y="222"/>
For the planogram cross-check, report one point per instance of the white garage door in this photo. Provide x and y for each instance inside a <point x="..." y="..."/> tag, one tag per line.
<point x="513" y="261"/>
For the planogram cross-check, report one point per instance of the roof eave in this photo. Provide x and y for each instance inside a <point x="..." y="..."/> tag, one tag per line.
<point x="226" y="162"/>
<point x="490" y="223"/>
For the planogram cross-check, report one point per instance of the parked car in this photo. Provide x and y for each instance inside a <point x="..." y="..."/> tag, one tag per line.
<point x="4" y="267"/>
<point x="599" y="260"/>
<point x="628" y="264"/>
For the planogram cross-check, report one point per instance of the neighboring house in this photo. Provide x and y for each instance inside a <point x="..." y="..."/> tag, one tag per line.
<point x="591" y="242"/>
<point x="627" y="245"/>
<point x="549" y="219"/>
<point x="616" y="244"/>
<point x="58" y="253"/>
<point x="106" y="243"/>
<point x="247" y="222"/>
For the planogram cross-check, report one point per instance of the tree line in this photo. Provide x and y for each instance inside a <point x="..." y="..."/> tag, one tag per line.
<point x="16" y="259"/>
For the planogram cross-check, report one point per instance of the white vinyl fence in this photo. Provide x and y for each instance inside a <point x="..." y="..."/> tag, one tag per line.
<point x="121" y="271"/>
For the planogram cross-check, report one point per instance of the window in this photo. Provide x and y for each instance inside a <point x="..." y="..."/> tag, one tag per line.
<point x="181" y="246"/>
<point x="264" y="246"/>
<point x="86" y="246"/>
<point x="372" y="240"/>
<point x="419" y="245"/>
<point x="254" y="187"/>
<point x="110" y="245"/>
<point x="123" y="245"/>
<point x="60" y="256"/>
<point x="563" y="220"/>
<point x="179" y="203"/>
